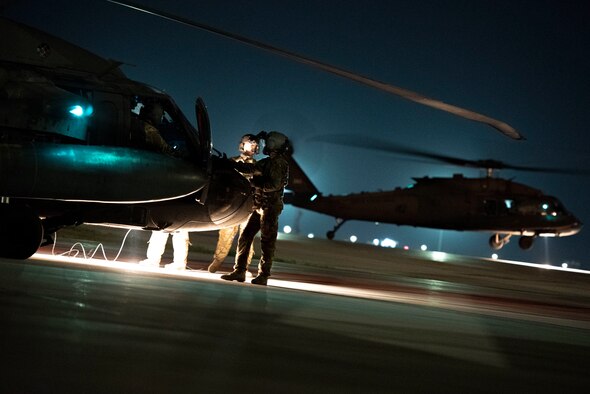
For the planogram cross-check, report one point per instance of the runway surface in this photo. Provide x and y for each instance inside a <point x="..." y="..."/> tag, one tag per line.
<point x="336" y="317"/>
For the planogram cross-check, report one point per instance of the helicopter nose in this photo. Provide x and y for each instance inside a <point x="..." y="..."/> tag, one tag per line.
<point x="575" y="227"/>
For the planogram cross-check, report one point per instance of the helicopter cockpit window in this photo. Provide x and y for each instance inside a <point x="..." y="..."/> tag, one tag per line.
<point x="545" y="207"/>
<point x="44" y="110"/>
<point x="161" y="128"/>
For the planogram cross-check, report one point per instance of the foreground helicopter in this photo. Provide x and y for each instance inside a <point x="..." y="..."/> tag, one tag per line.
<point x="74" y="148"/>
<point x="488" y="204"/>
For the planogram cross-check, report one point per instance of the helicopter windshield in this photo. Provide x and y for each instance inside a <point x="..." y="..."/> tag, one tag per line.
<point x="546" y="206"/>
<point x="159" y="125"/>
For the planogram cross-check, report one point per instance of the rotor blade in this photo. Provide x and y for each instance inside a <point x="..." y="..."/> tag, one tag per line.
<point x="504" y="128"/>
<point x="386" y="146"/>
<point x="389" y="147"/>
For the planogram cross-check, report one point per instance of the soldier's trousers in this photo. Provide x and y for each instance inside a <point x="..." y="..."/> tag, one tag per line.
<point x="157" y="245"/>
<point x="267" y="222"/>
<point x="225" y="241"/>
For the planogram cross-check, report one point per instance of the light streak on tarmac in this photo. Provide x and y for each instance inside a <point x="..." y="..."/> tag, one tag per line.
<point x="389" y="295"/>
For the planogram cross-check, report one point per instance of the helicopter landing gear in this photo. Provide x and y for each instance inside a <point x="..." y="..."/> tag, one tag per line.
<point x="497" y="241"/>
<point x="21" y="232"/>
<point x="525" y="242"/>
<point x="339" y="222"/>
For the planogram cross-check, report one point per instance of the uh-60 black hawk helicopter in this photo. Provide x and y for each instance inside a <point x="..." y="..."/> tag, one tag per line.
<point x="487" y="204"/>
<point x="73" y="151"/>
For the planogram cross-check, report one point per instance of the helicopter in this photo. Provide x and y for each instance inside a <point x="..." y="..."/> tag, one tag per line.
<point x="72" y="148"/>
<point x="486" y="204"/>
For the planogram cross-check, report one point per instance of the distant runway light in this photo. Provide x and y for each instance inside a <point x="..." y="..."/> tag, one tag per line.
<point x="353" y="238"/>
<point x="423" y="248"/>
<point x="388" y="243"/>
<point x="564" y="265"/>
<point x="439" y="256"/>
<point x="287" y="229"/>
<point x="376" y="242"/>
<point x="310" y="235"/>
<point x="495" y="256"/>
<point x="406" y="247"/>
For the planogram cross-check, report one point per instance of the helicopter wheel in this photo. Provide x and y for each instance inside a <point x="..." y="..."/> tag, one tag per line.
<point x="525" y="243"/>
<point x="330" y="234"/>
<point x="21" y="232"/>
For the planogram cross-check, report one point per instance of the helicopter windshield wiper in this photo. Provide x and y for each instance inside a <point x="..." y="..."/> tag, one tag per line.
<point x="502" y="127"/>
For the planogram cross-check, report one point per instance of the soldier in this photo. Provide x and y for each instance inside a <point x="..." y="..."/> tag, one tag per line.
<point x="151" y="114"/>
<point x="269" y="179"/>
<point x="248" y="148"/>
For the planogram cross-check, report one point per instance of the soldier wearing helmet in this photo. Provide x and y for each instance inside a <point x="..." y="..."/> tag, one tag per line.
<point x="269" y="178"/>
<point x="151" y="115"/>
<point x="248" y="148"/>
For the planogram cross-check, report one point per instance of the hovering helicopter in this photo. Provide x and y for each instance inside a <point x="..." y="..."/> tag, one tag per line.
<point x="488" y="204"/>
<point x="74" y="148"/>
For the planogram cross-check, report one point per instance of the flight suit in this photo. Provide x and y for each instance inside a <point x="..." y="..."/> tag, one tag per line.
<point x="270" y="178"/>
<point x="227" y="235"/>
<point x="154" y="140"/>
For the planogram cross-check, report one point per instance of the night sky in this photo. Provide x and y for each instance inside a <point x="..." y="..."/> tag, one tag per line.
<point x="523" y="62"/>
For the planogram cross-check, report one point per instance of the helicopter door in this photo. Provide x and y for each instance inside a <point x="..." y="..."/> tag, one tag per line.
<point x="204" y="130"/>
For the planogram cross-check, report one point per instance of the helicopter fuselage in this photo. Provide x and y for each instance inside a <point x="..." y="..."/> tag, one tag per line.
<point x="78" y="145"/>
<point x="495" y="205"/>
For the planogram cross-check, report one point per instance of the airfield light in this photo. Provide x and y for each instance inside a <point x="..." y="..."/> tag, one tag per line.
<point x="406" y="247"/>
<point x="388" y="243"/>
<point x="439" y="256"/>
<point x="564" y="265"/>
<point x="423" y="248"/>
<point x="310" y="235"/>
<point x="376" y="242"/>
<point x="495" y="256"/>
<point x="287" y="229"/>
<point x="353" y="238"/>
<point x="313" y="197"/>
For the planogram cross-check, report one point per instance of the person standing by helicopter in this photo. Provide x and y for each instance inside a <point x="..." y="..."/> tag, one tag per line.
<point x="248" y="149"/>
<point x="270" y="176"/>
<point x="151" y="115"/>
<point x="157" y="246"/>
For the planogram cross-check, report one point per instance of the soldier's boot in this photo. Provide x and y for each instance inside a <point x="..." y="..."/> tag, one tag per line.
<point x="239" y="275"/>
<point x="175" y="266"/>
<point x="214" y="266"/>
<point x="261" y="279"/>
